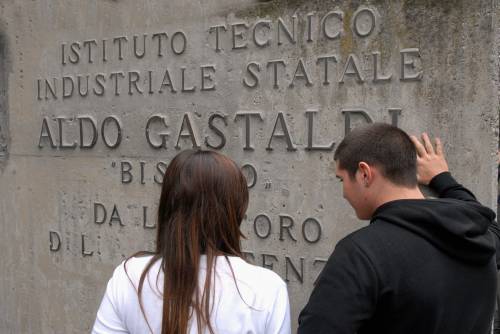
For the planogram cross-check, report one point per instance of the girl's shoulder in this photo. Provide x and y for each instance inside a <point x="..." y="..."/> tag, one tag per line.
<point x="131" y="269"/>
<point x="256" y="277"/>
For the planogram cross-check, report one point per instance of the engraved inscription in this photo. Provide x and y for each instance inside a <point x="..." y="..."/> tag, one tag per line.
<point x="103" y="214"/>
<point x="310" y="230"/>
<point x="258" y="56"/>
<point x="79" y="132"/>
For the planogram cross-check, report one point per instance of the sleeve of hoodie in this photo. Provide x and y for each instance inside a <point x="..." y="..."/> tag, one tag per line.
<point x="345" y="295"/>
<point x="446" y="186"/>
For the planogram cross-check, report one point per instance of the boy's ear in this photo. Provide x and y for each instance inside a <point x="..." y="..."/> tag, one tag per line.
<point x="365" y="173"/>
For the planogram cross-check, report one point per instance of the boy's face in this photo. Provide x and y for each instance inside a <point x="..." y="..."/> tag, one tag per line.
<point x="355" y="192"/>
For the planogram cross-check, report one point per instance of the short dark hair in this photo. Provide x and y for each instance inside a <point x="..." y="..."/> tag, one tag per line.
<point x="381" y="145"/>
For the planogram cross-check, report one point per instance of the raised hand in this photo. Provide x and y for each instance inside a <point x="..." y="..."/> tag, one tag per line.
<point x="430" y="161"/>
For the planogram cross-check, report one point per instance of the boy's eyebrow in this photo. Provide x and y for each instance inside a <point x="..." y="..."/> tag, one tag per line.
<point x="338" y="177"/>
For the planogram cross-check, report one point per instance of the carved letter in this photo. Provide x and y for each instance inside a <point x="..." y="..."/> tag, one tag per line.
<point x="340" y="18"/>
<point x="186" y="121"/>
<point x="120" y="40"/>
<point x="63" y="57"/>
<point x="89" y="45"/>
<point x="183" y="39"/>
<point x="142" y="164"/>
<point x="410" y="64"/>
<point x="39" y="89"/>
<point x="283" y="134"/>
<point x="167" y="81"/>
<point x="55" y="241"/>
<point x="136" y="52"/>
<point x="290" y="35"/>
<point x="207" y="76"/>
<point x="45" y="133"/>
<point x="161" y="167"/>
<point x="111" y="119"/>
<point x="67" y="81"/>
<point x="310" y="128"/>
<point x="352" y="68"/>
<point x="252" y="68"/>
<point x="84" y="251"/>
<point x="250" y="174"/>
<point x="62" y="144"/>
<point x="99" y="80"/>
<point x="322" y="262"/>
<point x="104" y="44"/>
<point x="377" y="73"/>
<point x="115" y="216"/>
<point x="74" y="58"/>
<point x="99" y="207"/>
<point x="265" y="24"/>
<point x="247" y="115"/>
<point x="183" y="84"/>
<point x="360" y="30"/>
<point x="289" y="264"/>
<point x="347" y="114"/>
<point x="217" y="131"/>
<point x="94" y="135"/>
<point x="163" y="135"/>
<point x="150" y="82"/>
<point x="286" y="226"/>
<point x="159" y="36"/>
<point x="51" y="88"/>
<point x="83" y="93"/>
<point x="262" y="226"/>
<point x="314" y="225"/>
<point x="302" y="75"/>
<point x="395" y="113"/>
<point x="145" y="219"/>
<point x="217" y="39"/>
<point x="133" y="78"/>
<point x="265" y="264"/>
<point x="239" y="34"/>
<point x="126" y="167"/>
<point x="309" y="27"/>
<point x="116" y="76"/>
<point x="274" y="64"/>
<point x="325" y="60"/>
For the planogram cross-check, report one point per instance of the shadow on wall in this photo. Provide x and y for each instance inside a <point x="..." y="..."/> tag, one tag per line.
<point x="496" y="323"/>
<point x="4" y="113"/>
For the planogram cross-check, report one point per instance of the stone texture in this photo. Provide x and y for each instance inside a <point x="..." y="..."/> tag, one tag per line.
<point x="4" y="119"/>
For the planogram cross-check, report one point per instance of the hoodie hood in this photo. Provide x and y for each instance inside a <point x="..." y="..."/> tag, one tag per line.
<point x="458" y="228"/>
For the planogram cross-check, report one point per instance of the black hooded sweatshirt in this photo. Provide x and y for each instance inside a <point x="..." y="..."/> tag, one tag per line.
<point x="421" y="267"/>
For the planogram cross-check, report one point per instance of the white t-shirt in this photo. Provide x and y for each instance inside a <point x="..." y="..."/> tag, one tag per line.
<point x="256" y="304"/>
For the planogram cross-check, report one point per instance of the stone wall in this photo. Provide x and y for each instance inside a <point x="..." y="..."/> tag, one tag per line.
<point x="4" y="114"/>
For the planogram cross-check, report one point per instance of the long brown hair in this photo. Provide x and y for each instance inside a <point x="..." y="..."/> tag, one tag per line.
<point x="203" y="201"/>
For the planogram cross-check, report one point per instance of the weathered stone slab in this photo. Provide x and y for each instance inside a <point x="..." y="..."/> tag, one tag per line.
<point x="4" y="119"/>
<point x="96" y="97"/>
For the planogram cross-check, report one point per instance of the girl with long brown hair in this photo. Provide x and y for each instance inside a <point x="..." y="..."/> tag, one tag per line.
<point x="196" y="280"/>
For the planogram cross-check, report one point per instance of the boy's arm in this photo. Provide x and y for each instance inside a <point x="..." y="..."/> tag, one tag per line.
<point x="432" y="170"/>
<point x="345" y="296"/>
